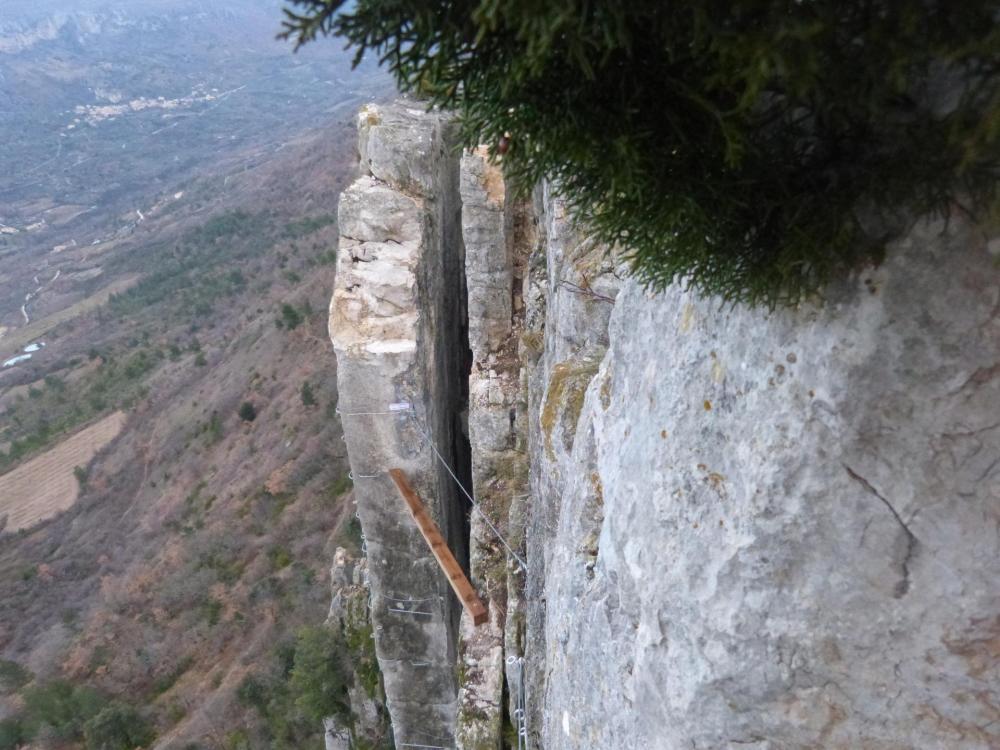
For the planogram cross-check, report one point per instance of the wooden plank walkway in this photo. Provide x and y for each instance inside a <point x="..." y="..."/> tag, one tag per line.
<point x="439" y="548"/>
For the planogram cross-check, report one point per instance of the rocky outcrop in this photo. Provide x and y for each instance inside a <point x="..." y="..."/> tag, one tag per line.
<point x="570" y="291"/>
<point x="397" y="321"/>
<point x="775" y="530"/>
<point x="742" y="528"/>
<point x="349" y="616"/>
<point x="497" y="231"/>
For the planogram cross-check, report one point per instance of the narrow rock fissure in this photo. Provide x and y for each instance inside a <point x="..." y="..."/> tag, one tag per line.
<point x="903" y="585"/>
<point x="458" y="363"/>
<point x="461" y="454"/>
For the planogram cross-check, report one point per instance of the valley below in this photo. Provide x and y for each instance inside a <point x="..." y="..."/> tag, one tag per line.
<point x="173" y="481"/>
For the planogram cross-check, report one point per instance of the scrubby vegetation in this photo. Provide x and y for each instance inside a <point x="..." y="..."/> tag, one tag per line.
<point x="304" y="227"/>
<point x="307" y="395"/>
<point x="290" y="318"/>
<point x="247" y="412"/>
<point x="161" y="315"/>
<point x="117" y="727"/>
<point x="755" y="149"/>
<point x="228" y="569"/>
<point x="51" y="410"/>
<point x="12" y="676"/>
<point x="305" y="682"/>
<point x="201" y="545"/>
<point x="319" y="678"/>
<point x="60" y="712"/>
<point x="199" y="270"/>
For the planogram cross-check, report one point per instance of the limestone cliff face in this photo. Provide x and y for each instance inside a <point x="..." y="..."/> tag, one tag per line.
<point x="741" y="528"/>
<point x="773" y="530"/>
<point x="397" y="322"/>
<point x="498" y="232"/>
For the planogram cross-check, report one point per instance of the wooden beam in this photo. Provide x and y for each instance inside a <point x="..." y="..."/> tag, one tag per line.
<point x="439" y="548"/>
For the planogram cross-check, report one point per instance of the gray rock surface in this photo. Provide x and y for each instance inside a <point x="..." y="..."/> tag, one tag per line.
<point x="350" y="617"/>
<point x="778" y="530"/>
<point x="494" y="233"/>
<point x="480" y="717"/>
<point x="397" y="325"/>
<point x="335" y="737"/>
<point x="569" y="291"/>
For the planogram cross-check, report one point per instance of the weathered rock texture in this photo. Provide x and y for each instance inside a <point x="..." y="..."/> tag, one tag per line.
<point x="569" y="293"/>
<point x="496" y="232"/>
<point x="349" y="616"/>
<point x="780" y="530"/>
<point x="743" y="529"/>
<point x="397" y="323"/>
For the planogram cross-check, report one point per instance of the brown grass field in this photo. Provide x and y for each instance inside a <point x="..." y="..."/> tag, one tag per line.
<point x="45" y="486"/>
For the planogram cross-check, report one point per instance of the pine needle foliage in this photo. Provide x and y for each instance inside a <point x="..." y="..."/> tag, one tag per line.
<point x="754" y="149"/>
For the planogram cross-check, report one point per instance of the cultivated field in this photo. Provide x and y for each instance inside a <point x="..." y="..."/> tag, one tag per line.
<point x="46" y="485"/>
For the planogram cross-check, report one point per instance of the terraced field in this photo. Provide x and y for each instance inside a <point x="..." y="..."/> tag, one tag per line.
<point x="46" y="486"/>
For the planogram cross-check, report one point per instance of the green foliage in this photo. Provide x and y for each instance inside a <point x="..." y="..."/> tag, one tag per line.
<point x="60" y="707"/>
<point x="118" y="727"/>
<point x="226" y="565"/>
<point x="272" y="694"/>
<point x="119" y="381"/>
<point x="279" y="557"/>
<point x="238" y="739"/>
<point x="12" y="676"/>
<point x="340" y="486"/>
<point x="192" y="516"/>
<point x="252" y="692"/>
<point x="176" y="712"/>
<point x="755" y="149"/>
<point x="138" y="365"/>
<point x="308" y="397"/>
<point x="211" y="611"/>
<point x="349" y="535"/>
<point x="318" y="679"/>
<point x="247" y="412"/>
<point x="193" y="274"/>
<point x="361" y="647"/>
<point x="168" y="680"/>
<point x="82" y="476"/>
<point x="12" y="734"/>
<point x="213" y="429"/>
<point x="290" y="317"/>
<point x="308" y="225"/>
